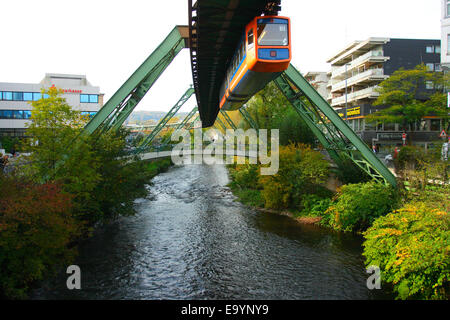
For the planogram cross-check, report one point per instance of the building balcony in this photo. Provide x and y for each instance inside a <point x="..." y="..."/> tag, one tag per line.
<point x="374" y="56"/>
<point x="368" y="93"/>
<point x="369" y="75"/>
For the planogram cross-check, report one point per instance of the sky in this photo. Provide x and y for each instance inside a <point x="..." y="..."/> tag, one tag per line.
<point x="106" y="40"/>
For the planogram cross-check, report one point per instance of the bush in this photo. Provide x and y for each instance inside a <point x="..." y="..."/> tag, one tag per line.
<point x="301" y="171"/>
<point x="36" y="226"/>
<point x="315" y="206"/>
<point x="250" y="197"/>
<point x="349" y="172"/>
<point x="293" y="129"/>
<point x="409" y="157"/>
<point x="411" y="247"/>
<point x="245" y="176"/>
<point x="358" y="205"/>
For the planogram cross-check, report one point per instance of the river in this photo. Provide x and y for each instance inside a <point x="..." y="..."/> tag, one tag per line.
<point x="192" y="240"/>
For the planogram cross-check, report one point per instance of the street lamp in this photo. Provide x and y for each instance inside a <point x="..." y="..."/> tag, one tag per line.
<point x="346" y="99"/>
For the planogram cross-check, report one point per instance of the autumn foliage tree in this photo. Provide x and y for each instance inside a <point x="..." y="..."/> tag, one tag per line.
<point x="36" y="227"/>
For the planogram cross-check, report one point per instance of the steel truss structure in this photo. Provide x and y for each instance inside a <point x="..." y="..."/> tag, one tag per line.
<point x="332" y="131"/>
<point x="114" y="113"/>
<point x="163" y="122"/>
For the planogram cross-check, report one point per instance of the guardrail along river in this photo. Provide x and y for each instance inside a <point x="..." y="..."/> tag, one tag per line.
<point x="192" y="240"/>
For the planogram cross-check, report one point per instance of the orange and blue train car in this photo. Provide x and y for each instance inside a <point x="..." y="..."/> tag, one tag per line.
<point x="263" y="54"/>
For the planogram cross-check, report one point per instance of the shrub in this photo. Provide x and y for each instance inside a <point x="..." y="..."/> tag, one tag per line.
<point x="358" y="205"/>
<point x="349" y="172"/>
<point x="245" y="176"/>
<point x="250" y="197"/>
<point x="36" y="227"/>
<point x="315" y="206"/>
<point x="411" y="247"/>
<point x="301" y="171"/>
<point x="409" y="157"/>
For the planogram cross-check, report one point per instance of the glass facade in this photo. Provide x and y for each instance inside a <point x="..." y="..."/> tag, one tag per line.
<point x="15" y="114"/>
<point x="22" y="96"/>
<point x="88" y="98"/>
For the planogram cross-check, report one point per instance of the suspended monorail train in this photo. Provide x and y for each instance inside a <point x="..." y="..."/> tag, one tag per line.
<point x="262" y="55"/>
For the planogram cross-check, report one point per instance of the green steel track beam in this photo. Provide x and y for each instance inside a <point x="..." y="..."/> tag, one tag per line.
<point x="228" y="119"/>
<point x="249" y="118"/>
<point x="123" y="102"/>
<point x="333" y="132"/>
<point x="162" y="123"/>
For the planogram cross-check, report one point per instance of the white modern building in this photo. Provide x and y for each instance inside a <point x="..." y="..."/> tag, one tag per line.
<point x="16" y="98"/>
<point x="445" y="34"/>
<point x="358" y="69"/>
<point x="319" y="80"/>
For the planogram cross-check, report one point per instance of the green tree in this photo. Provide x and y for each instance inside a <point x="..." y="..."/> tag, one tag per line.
<point x="267" y="106"/>
<point x="406" y="100"/>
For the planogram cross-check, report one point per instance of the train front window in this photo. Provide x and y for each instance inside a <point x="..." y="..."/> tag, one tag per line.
<point x="273" y="32"/>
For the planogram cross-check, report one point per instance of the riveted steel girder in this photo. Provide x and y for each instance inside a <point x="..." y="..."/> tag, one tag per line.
<point x="228" y="119"/>
<point x="247" y="116"/>
<point x="162" y="123"/>
<point x="333" y="132"/>
<point x="122" y="103"/>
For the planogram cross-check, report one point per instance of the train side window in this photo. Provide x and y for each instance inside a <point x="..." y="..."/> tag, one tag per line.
<point x="250" y="37"/>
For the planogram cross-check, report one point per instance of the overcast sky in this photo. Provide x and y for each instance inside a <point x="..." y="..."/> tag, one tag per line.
<point x="108" y="39"/>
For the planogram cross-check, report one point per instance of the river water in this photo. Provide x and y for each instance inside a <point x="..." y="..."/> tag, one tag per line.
<point x="192" y="240"/>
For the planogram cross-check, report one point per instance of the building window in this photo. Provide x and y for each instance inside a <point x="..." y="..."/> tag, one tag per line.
<point x="15" y="114"/>
<point x="93" y="98"/>
<point x="27" y="114"/>
<point x="437" y="67"/>
<point x="7" y="96"/>
<point x="389" y="127"/>
<point x="28" y="96"/>
<point x="430" y="66"/>
<point x="448" y="44"/>
<point x="84" y="98"/>
<point x="438" y="49"/>
<point x="430" y="49"/>
<point x="435" y="125"/>
<point x="37" y="96"/>
<point x="18" y="96"/>
<point x="448" y="8"/>
<point x="88" y="98"/>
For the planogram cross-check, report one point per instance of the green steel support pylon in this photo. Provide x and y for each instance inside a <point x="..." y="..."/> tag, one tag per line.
<point x="228" y="119"/>
<point x="224" y="127"/>
<point x="333" y="133"/>
<point x="183" y="123"/>
<point x="191" y="126"/>
<point x="162" y="123"/>
<point x="122" y="103"/>
<point x="249" y="118"/>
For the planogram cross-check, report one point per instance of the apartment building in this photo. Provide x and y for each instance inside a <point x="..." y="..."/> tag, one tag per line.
<point x="319" y="80"/>
<point x="358" y="69"/>
<point x="445" y="34"/>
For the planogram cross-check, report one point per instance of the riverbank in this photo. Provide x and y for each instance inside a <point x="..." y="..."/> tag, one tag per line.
<point x="405" y="233"/>
<point x="42" y="225"/>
